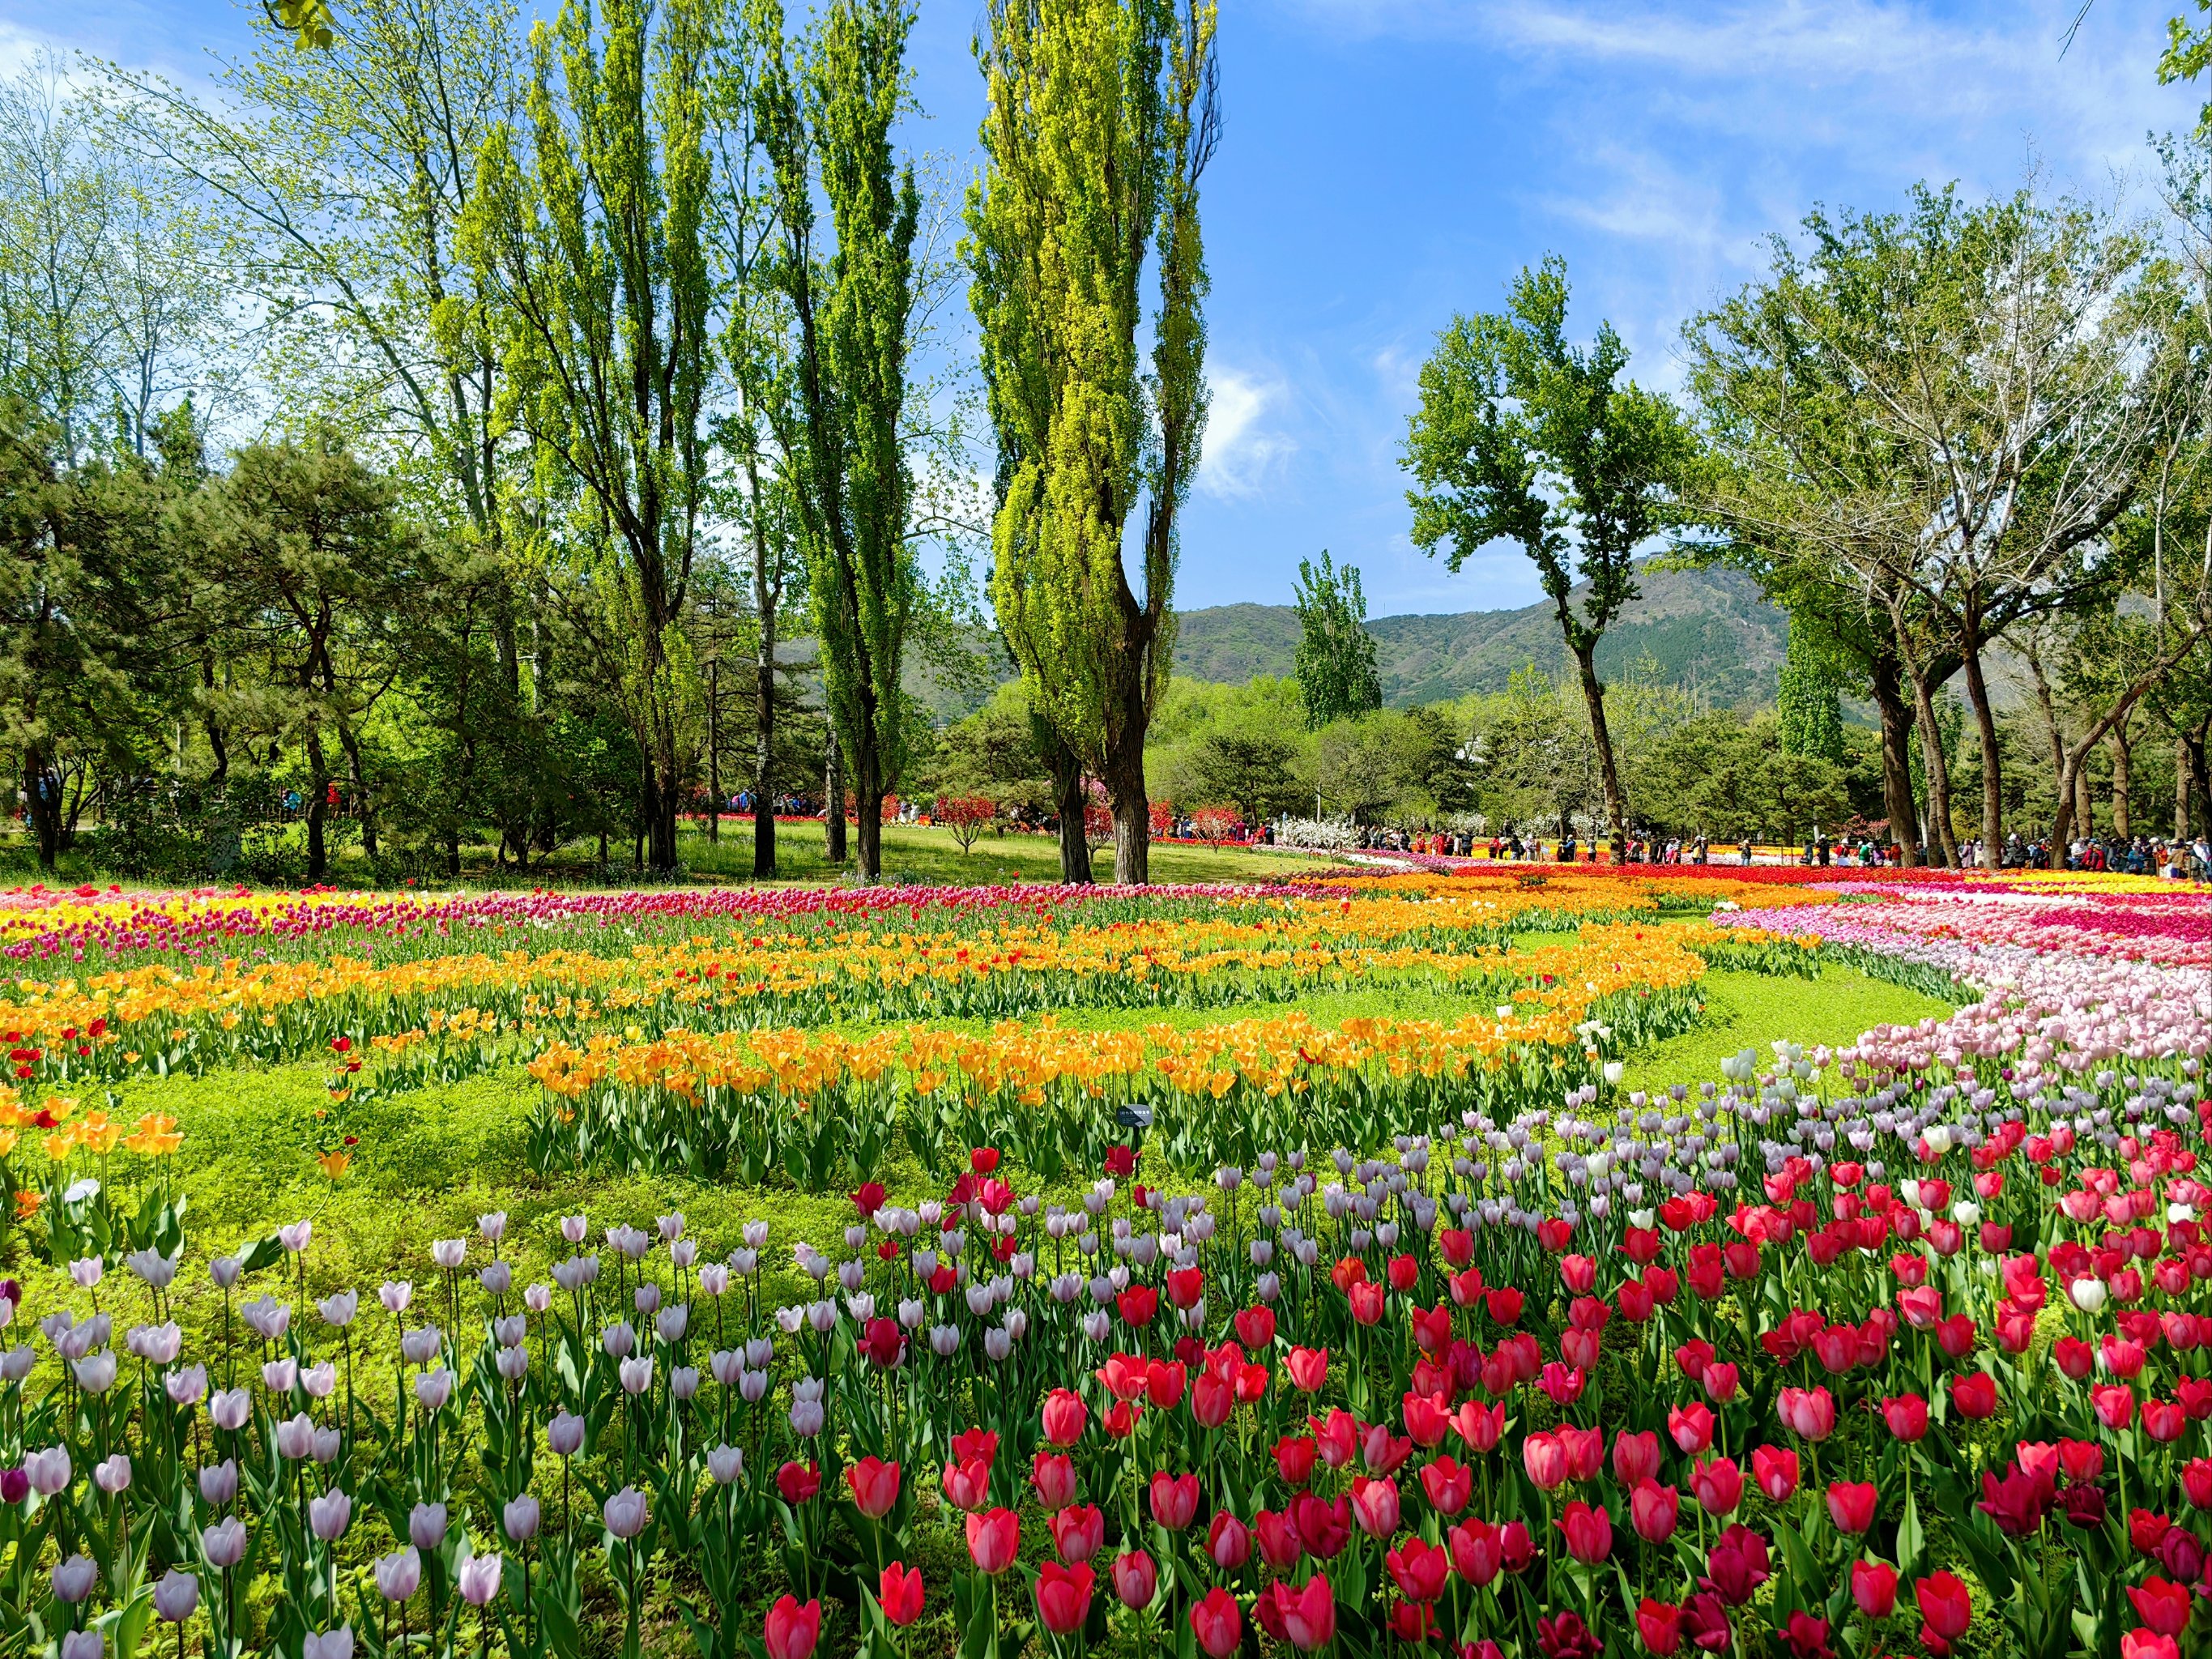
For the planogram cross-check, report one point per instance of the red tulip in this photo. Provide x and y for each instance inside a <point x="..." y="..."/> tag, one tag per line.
<point x="993" y="1538"/>
<point x="1654" y="1511"/>
<point x="1164" y="1384"/>
<point x="1135" y="1579"/>
<point x="1256" y="1328"/>
<point x="875" y="1487"/>
<point x="967" y="1486"/>
<point x="1308" y="1616"/>
<point x="1365" y="1301"/>
<point x="2113" y="1402"/>
<point x="1123" y="1376"/>
<point x="1546" y="1459"/>
<point x="2196" y="1482"/>
<point x="2163" y="1421"/>
<point x="1077" y="1531"/>
<point x="1064" y="1416"/>
<point x="2162" y="1606"/>
<point x="1053" y="1474"/>
<point x="799" y="1482"/>
<point x="1323" y="1528"/>
<point x="977" y="1445"/>
<point x="1809" y="1414"/>
<point x="1186" y="1285"/>
<point x="1336" y="1435"/>
<point x="1874" y="1588"/>
<point x="1635" y="1458"/>
<point x="1589" y="1533"/>
<point x="1851" y="1505"/>
<point x="1946" y="1610"/>
<point x="1774" y="1469"/>
<point x="1217" y="1624"/>
<point x="1278" y="1539"/>
<point x="791" y="1631"/>
<point x="1504" y="1303"/>
<point x="1906" y="1417"/>
<point x="1212" y="1400"/>
<point x="1478" y="1551"/>
<point x="1309" y="1369"/>
<point x="1706" y="1622"/>
<point x="899" y="1593"/>
<point x="1585" y="1451"/>
<point x="1063" y="1598"/>
<point x="1137" y="1305"/>
<point x="1426" y="1418"/>
<point x="1448" y="1486"/>
<point x="1718" y="1485"/>
<point x="1659" y="1626"/>
<point x="1375" y="1506"/>
<point x="1175" y="1499"/>
<point x="1691" y="1426"/>
<point x="1294" y="1459"/>
<point x="1736" y="1566"/>
<point x="1720" y="1383"/>
<point x="1419" y="1569"/>
<point x="1478" y="1426"/>
<point x="1975" y="1395"/>
<point x="1228" y="1541"/>
<point x="2148" y="1645"/>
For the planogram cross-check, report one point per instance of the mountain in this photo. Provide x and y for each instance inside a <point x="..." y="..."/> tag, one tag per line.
<point x="1708" y="630"/>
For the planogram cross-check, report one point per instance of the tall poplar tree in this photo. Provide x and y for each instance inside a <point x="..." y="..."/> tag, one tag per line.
<point x="1103" y="115"/>
<point x="590" y="231"/>
<point x="825" y="121"/>
<point x="1336" y="654"/>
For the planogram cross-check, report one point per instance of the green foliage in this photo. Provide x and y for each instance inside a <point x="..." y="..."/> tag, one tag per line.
<point x="1523" y="437"/>
<point x="838" y="412"/>
<point x="1249" y="770"/>
<point x="1812" y="714"/>
<point x="1101" y="119"/>
<point x="1396" y="765"/>
<point x="1336" y="654"/>
<point x="589" y="231"/>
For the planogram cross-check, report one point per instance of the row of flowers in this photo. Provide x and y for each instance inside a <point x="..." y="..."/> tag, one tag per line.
<point x="1847" y="1353"/>
<point x="165" y="1016"/>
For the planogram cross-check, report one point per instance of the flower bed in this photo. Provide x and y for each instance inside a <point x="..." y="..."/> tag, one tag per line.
<point x="1899" y="1347"/>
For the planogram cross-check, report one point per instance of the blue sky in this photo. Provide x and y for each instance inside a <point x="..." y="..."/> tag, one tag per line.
<point x="1387" y="162"/>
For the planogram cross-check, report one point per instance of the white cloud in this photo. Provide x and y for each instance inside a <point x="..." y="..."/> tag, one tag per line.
<point x="1242" y="448"/>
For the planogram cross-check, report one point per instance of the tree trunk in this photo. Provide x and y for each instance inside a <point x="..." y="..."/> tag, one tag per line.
<point x="319" y="784"/>
<point x="1896" y="759"/>
<point x="2123" y="781"/>
<point x="1985" y="726"/>
<point x="1938" y="770"/>
<point x="2180" y="787"/>
<point x="358" y="782"/>
<point x="763" y="752"/>
<point x="1123" y="775"/>
<point x="42" y="793"/>
<point x="2085" y="813"/>
<point x="868" y="811"/>
<point x="2200" y="777"/>
<point x="1616" y="805"/>
<point x="1068" y="801"/>
<point x="833" y="802"/>
<point x="714" y="752"/>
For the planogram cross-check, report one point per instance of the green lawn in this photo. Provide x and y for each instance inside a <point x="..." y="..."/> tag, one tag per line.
<point x="430" y="1161"/>
<point x="1751" y="1011"/>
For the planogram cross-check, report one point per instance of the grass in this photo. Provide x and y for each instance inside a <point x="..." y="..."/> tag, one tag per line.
<point x="1750" y="1011"/>
<point x="429" y="1161"/>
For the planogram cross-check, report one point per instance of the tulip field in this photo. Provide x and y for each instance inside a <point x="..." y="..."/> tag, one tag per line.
<point x="1319" y="1267"/>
